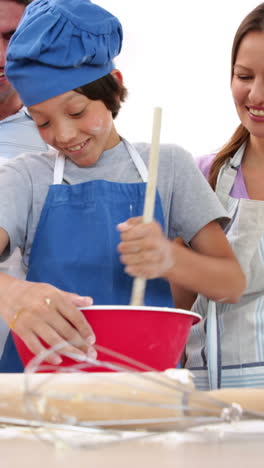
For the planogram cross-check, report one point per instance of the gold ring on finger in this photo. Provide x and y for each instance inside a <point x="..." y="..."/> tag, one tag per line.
<point x="47" y="300"/>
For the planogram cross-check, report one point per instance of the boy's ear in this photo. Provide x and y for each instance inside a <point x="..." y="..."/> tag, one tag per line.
<point x="117" y="75"/>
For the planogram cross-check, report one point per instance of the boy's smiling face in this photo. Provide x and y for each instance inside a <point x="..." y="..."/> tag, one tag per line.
<point x="79" y="127"/>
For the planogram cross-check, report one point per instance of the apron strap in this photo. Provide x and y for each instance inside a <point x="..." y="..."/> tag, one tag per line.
<point x="227" y="175"/>
<point x="137" y="159"/>
<point x="213" y="348"/>
<point x="58" y="169"/>
<point x="225" y="182"/>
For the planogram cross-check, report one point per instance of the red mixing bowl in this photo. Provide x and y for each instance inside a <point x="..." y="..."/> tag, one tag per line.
<point x="153" y="336"/>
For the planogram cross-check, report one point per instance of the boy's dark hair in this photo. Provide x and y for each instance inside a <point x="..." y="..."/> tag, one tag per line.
<point x="106" y="89"/>
<point x="24" y="2"/>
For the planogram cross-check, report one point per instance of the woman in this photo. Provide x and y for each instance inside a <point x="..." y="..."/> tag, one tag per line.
<point x="232" y="352"/>
<point x="75" y="197"/>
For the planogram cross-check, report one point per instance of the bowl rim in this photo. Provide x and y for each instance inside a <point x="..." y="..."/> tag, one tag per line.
<point x="150" y="308"/>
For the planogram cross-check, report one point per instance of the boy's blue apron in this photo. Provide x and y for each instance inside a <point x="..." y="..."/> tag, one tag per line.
<point x="75" y="245"/>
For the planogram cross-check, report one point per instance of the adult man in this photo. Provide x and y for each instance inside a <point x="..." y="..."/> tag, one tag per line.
<point x="18" y="133"/>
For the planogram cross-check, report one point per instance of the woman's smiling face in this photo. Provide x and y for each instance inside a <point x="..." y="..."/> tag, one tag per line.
<point x="77" y="126"/>
<point x="248" y="83"/>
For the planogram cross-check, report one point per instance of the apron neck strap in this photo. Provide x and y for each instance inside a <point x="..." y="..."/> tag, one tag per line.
<point x="137" y="159"/>
<point x="58" y="169"/>
<point x="227" y="175"/>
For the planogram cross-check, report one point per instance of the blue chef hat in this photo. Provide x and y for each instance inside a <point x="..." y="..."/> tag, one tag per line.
<point x="60" y="45"/>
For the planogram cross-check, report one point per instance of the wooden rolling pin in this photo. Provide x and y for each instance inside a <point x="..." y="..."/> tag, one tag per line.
<point x="92" y="396"/>
<point x="114" y="397"/>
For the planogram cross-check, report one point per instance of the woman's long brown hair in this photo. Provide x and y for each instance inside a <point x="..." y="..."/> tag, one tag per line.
<point x="254" y="21"/>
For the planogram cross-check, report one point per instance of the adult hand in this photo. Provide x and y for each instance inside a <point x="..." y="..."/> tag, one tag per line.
<point x="144" y="249"/>
<point x="39" y="310"/>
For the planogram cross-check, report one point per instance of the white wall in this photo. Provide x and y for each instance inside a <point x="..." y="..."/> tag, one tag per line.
<point x="176" y="54"/>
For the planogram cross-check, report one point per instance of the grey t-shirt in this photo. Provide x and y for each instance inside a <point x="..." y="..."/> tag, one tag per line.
<point x="18" y="134"/>
<point x="188" y="201"/>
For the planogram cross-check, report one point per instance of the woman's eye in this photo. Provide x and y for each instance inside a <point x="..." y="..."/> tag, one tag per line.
<point x="245" y="77"/>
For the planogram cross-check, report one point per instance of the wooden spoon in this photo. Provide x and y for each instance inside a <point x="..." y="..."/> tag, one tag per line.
<point x="139" y="284"/>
